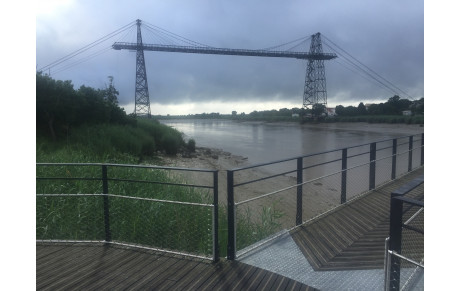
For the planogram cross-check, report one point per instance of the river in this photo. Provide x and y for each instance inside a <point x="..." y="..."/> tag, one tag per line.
<point x="263" y="142"/>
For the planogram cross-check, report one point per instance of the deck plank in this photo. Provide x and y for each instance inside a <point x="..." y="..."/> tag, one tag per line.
<point x="353" y="236"/>
<point x="99" y="267"/>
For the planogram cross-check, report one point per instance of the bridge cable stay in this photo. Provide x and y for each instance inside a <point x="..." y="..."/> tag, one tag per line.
<point x="87" y="47"/>
<point x="300" y="42"/>
<point x="363" y="68"/>
<point x="357" y="69"/>
<point x="171" y="35"/>
<point x="352" y="68"/>
<point x="91" y="56"/>
<point x="82" y="60"/>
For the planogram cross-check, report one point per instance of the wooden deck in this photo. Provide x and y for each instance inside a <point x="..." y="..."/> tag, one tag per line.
<point x="349" y="238"/>
<point x="353" y="236"/>
<point x="99" y="267"/>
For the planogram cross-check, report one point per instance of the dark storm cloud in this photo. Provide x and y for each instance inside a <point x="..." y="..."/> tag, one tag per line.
<point x="386" y="36"/>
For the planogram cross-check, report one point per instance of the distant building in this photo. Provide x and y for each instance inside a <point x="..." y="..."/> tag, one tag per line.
<point x="367" y="105"/>
<point x="233" y="113"/>
<point x="407" y="113"/>
<point x="330" y="111"/>
<point x="295" y="115"/>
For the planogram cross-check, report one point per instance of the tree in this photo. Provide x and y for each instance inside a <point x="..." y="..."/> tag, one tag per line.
<point x="110" y="93"/>
<point x="318" y="109"/>
<point x="362" y="109"/>
<point x="417" y="106"/>
<point x="55" y="105"/>
<point x="340" y="110"/>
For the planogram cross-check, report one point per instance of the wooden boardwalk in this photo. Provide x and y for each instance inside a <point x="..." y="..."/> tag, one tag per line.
<point x="353" y="236"/>
<point x="99" y="267"/>
<point x="349" y="238"/>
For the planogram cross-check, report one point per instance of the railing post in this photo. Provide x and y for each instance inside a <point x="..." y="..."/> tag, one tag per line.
<point x="411" y="146"/>
<point x="231" y="245"/>
<point x="396" y="211"/>
<point x="343" y="196"/>
<point x="393" y="159"/>
<point x="298" y="217"/>
<point x="373" y="155"/>
<point x="105" y="190"/>
<point x="422" y="150"/>
<point x="386" y="261"/>
<point x="216" y="217"/>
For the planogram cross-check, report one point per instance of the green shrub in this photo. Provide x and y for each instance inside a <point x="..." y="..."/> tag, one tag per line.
<point x="171" y="143"/>
<point x="191" y="145"/>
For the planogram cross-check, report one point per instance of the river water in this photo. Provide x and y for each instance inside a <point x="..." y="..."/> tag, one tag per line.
<point x="322" y="177"/>
<point x="264" y="142"/>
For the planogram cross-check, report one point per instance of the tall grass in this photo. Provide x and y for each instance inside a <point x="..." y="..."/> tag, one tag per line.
<point x="103" y="140"/>
<point x="160" y="224"/>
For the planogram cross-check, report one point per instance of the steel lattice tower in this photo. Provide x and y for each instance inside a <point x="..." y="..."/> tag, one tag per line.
<point x="315" y="79"/>
<point x="142" y="101"/>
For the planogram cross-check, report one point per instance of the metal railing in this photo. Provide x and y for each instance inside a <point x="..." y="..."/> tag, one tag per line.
<point x="129" y="205"/>
<point x="404" y="249"/>
<point x="305" y="187"/>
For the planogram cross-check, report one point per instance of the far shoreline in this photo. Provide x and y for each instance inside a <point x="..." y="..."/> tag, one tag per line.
<point x="400" y="128"/>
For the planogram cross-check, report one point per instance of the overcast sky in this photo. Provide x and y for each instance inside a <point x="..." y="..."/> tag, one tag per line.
<point x="385" y="35"/>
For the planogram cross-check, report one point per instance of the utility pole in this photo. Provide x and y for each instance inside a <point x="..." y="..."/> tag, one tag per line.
<point x="142" y="101"/>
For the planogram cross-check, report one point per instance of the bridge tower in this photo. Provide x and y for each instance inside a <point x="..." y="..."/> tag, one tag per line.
<point x="315" y="79"/>
<point x="141" y="96"/>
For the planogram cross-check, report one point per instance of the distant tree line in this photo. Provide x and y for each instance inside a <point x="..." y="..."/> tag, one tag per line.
<point x="59" y="107"/>
<point x="394" y="106"/>
<point x="390" y="111"/>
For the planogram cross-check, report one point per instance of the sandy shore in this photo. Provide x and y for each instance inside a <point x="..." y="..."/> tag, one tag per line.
<point x="315" y="202"/>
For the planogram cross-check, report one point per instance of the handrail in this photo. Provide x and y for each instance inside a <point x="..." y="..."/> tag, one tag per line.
<point x="106" y="230"/>
<point x="369" y="151"/>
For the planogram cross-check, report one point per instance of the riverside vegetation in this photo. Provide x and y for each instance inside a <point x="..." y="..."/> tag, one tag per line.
<point x="88" y="126"/>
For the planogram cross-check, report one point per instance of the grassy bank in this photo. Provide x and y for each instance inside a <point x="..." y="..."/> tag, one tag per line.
<point x="159" y="224"/>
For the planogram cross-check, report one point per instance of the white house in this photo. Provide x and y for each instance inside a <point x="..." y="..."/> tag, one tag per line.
<point x="407" y="112"/>
<point x="330" y="111"/>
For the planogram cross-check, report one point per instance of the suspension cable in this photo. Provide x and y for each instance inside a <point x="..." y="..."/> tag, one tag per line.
<point x="87" y="47"/>
<point x="369" y="69"/>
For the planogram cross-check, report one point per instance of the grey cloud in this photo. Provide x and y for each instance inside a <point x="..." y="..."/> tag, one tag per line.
<point x="387" y="36"/>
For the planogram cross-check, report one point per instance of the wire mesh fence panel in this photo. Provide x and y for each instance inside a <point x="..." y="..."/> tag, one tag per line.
<point x="166" y="225"/>
<point x="406" y="241"/>
<point x="383" y="169"/>
<point x="412" y="244"/>
<point x="70" y="179"/>
<point x="261" y="218"/>
<point x="417" y="152"/>
<point x="357" y="180"/>
<point x="320" y="165"/>
<point x="321" y="195"/>
<point x="402" y="156"/>
<point x="135" y="205"/>
<point x="69" y="217"/>
<point x="410" y="277"/>
<point x="254" y="182"/>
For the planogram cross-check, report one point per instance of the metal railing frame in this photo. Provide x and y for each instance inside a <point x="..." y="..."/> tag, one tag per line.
<point x="393" y="244"/>
<point x="372" y="152"/>
<point x="104" y="179"/>
<point x="300" y="168"/>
